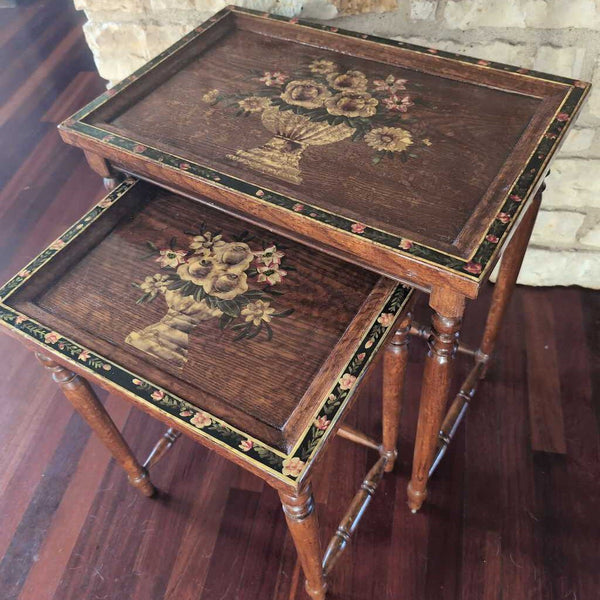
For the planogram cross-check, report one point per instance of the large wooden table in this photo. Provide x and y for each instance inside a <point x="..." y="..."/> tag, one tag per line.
<point x="422" y="165"/>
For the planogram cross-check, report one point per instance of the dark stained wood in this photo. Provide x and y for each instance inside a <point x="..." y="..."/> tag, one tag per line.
<point x="543" y="383"/>
<point x="80" y="394"/>
<point x="395" y="359"/>
<point x="487" y="537"/>
<point x="192" y="110"/>
<point x="446" y="320"/>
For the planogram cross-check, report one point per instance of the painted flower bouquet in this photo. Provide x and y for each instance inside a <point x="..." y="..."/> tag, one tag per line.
<point x="211" y="279"/>
<point x="321" y="104"/>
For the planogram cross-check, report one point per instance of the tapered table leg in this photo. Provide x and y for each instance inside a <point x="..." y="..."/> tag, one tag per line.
<point x="304" y="527"/>
<point x="507" y="278"/>
<point x="86" y="403"/>
<point x="395" y="359"/>
<point x="437" y="377"/>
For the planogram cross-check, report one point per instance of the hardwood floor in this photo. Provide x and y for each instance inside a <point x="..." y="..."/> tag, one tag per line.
<point x="513" y="510"/>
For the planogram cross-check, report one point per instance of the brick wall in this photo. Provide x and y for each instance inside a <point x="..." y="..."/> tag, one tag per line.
<point x="560" y="36"/>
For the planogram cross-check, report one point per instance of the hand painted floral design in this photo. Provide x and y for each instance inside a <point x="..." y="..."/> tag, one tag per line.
<point x="211" y="279"/>
<point x="324" y="103"/>
<point x="306" y="93"/>
<point x="292" y="467"/>
<point x="201" y="419"/>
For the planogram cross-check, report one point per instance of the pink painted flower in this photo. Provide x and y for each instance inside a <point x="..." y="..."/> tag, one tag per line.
<point x="20" y="319"/>
<point x="24" y="273"/>
<point x="200" y="420"/>
<point x="56" y="245"/>
<point x="361" y="356"/>
<point x="246" y="445"/>
<point x="386" y="319"/>
<point x="294" y="20"/>
<point x="292" y="467"/>
<point x="515" y="198"/>
<point x="260" y="193"/>
<point x="503" y="217"/>
<point x="61" y="346"/>
<point x="137" y="382"/>
<point x="492" y="238"/>
<point x="473" y="267"/>
<point x="333" y="29"/>
<point x="398" y="104"/>
<point x="271" y="274"/>
<point x="184" y="166"/>
<point x="369" y="343"/>
<point x="51" y="337"/>
<point x="405" y="244"/>
<point x="108" y="138"/>
<point x="390" y="84"/>
<point x="347" y="381"/>
<point x="298" y="207"/>
<point x="523" y="71"/>
<point x="83" y="355"/>
<point x="273" y="78"/>
<point x="358" y="228"/>
<point x="106" y="367"/>
<point x="186" y="413"/>
<point x="158" y="395"/>
<point x="322" y="423"/>
<point x="580" y="84"/>
<point x="562" y="117"/>
<point x="270" y="257"/>
<point x="483" y="63"/>
<point x="432" y="50"/>
<point x="139" y="148"/>
<point x="171" y="258"/>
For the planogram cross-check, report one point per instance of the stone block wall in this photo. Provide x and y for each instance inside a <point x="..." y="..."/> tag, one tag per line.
<point x="559" y="36"/>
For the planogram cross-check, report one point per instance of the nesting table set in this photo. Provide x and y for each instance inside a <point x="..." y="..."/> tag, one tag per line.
<point x="279" y="193"/>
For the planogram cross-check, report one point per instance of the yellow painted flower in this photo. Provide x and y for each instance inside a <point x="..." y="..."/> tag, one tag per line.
<point x="211" y="96"/>
<point x="206" y="241"/>
<point x="254" y="104"/>
<point x="201" y="420"/>
<point x="258" y="311"/>
<point x="306" y="93"/>
<point x="352" y="104"/>
<point x="389" y="139"/>
<point x="237" y="256"/>
<point x="354" y="81"/>
<point x="154" y="284"/>
<point x="322" y="67"/>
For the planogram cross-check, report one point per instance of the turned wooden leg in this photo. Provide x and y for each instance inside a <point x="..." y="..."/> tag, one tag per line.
<point x="507" y="278"/>
<point x="395" y="359"/>
<point x="437" y="376"/>
<point x="86" y="403"/>
<point x="302" y="521"/>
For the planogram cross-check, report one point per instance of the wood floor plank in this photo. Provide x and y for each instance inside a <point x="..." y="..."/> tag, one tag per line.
<point x="545" y="408"/>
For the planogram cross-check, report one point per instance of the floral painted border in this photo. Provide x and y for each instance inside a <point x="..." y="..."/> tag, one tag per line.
<point x="289" y="467"/>
<point x="473" y="268"/>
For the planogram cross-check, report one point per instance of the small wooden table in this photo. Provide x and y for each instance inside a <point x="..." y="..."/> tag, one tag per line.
<point x="422" y="165"/>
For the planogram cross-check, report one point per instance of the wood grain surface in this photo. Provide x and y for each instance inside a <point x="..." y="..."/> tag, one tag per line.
<point x="502" y="520"/>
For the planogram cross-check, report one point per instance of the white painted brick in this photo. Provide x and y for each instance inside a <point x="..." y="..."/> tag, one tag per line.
<point x="592" y="237"/>
<point x="497" y="50"/>
<point x="579" y="140"/>
<point x="543" y="266"/>
<point x="567" y="62"/>
<point x="573" y="183"/>
<point x="466" y="14"/>
<point x="423" y="10"/>
<point x="318" y="9"/>
<point x="570" y="13"/>
<point x="130" y="6"/>
<point x="556" y="228"/>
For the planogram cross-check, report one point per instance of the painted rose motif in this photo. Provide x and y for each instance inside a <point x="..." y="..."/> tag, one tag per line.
<point x="200" y="420"/>
<point x="350" y="81"/>
<point x="246" y="445"/>
<point x="352" y="104"/>
<point x="324" y="103"/>
<point x="347" y="381"/>
<point x="306" y="93"/>
<point x="210" y="280"/>
<point x="292" y="467"/>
